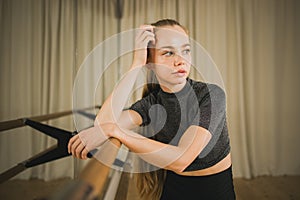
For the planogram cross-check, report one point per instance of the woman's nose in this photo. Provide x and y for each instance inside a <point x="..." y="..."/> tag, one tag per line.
<point x="178" y="60"/>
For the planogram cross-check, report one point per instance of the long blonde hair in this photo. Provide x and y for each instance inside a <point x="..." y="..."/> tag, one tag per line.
<point x="150" y="184"/>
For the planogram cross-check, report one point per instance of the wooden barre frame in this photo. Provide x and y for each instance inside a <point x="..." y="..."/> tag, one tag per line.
<point x="94" y="175"/>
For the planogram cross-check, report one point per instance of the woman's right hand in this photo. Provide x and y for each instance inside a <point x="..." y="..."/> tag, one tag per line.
<point x="86" y="141"/>
<point x="145" y="34"/>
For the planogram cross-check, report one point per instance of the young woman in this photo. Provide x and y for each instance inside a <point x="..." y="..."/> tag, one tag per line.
<point x="186" y="134"/>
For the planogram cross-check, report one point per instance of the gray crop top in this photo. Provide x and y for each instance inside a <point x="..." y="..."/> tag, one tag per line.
<point x="166" y="116"/>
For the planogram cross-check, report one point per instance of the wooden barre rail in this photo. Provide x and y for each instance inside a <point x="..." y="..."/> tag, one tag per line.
<point x="92" y="179"/>
<point x="16" y="123"/>
<point x="96" y="173"/>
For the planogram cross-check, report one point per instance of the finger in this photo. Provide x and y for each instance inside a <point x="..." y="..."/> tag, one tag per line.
<point x="144" y="34"/>
<point x="71" y="141"/>
<point x="143" y="31"/>
<point x="78" y="150"/>
<point x="144" y="40"/>
<point x="74" y="147"/>
<point x="84" y="154"/>
<point x="149" y="38"/>
<point x="147" y="27"/>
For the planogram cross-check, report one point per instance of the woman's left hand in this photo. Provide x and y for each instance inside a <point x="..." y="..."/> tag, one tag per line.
<point x="77" y="148"/>
<point x="86" y="141"/>
<point x="91" y="138"/>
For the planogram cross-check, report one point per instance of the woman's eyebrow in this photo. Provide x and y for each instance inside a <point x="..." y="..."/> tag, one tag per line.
<point x="172" y="47"/>
<point x="186" y="45"/>
<point x="166" y="47"/>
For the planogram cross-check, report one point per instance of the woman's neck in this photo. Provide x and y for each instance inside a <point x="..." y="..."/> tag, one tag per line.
<point x="168" y="88"/>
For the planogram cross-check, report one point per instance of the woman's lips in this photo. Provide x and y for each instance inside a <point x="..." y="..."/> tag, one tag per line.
<point x="180" y="72"/>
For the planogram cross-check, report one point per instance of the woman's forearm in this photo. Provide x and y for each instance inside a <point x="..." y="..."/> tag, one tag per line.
<point x="112" y="107"/>
<point x="167" y="156"/>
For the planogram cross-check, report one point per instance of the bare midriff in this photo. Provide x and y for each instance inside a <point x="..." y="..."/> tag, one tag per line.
<point x="219" y="167"/>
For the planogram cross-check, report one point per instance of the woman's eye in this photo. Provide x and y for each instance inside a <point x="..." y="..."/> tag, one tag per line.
<point x="186" y="51"/>
<point x="168" y="53"/>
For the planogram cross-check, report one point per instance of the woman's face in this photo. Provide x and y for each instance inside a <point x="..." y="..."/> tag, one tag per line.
<point x="172" y="57"/>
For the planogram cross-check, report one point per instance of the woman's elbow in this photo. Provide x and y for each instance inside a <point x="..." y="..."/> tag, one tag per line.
<point x="179" y="166"/>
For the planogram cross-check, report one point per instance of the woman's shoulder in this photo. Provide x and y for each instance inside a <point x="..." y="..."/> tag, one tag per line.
<point x="150" y="98"/>
<point x="205" y="89"/>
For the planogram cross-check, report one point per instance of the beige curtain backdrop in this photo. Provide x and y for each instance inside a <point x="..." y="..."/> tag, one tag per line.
<point x="254" y="43"/>
<point x="36" y="77"/>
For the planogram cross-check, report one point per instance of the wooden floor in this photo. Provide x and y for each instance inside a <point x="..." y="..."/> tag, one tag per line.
<point x="261" y="188"/>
